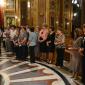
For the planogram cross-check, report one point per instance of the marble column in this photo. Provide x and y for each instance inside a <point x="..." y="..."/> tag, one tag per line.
<point x="61" y="4"/>
<point x="47" y="12"/>
<point x="42" y="12"/>
<point x="17" y="12"/>
<point x="83" y="11"/>
<point x="23" y="12"/>
<point x="35" y="13"/>
<point x="1" y="17"/>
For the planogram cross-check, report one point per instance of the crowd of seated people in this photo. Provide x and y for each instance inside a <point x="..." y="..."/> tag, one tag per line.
<point x="44" y="44"/>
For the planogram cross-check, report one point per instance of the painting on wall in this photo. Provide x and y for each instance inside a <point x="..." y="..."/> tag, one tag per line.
<point x="10" y="21"/>
<point x="10" y="4"/>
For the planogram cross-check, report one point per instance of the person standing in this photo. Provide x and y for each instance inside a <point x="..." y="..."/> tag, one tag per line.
<point x="82" y="52"/>
<point x="16" y="44"/>
<point x="43" y="35"/>
<point x="75" y="57"/>
<point x="60" y="47"/>
<point x="22" y="40"/>
<point x="50" y="44"/>
<point x="32" y="43"/>
<point x="37" y="46"/>
<point x="7" y="40"/>
<point x="12" y="35"/>
<point x="0" y="40"/>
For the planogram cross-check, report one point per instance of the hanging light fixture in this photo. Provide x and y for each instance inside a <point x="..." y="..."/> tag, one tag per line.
<point x="78" y="5"/>
<point x="16" y="17"/>
<point x="75" y="14"/>
<point x="2" y="3"/>
<point x="72" y="1"/>
<point x="28" y="4"/>
<point x="75" y="2"/>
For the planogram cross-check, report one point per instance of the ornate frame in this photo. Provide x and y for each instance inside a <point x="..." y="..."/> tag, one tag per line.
<point x="11" y="18"/>
<point x="11" y="5"/>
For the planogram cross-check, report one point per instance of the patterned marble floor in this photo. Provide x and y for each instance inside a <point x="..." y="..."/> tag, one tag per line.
<point x="24" y="73"/>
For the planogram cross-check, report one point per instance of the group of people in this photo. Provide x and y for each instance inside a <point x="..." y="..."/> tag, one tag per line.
<point x="41" y="43"/>
<point x="77" y="51"/>
<point x="18" y="39"/>
<point x="49" y="41"/>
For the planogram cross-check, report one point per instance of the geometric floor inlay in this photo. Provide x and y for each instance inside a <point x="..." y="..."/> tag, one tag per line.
<point x="30" y="74"/>
<point x="24" y="73"/>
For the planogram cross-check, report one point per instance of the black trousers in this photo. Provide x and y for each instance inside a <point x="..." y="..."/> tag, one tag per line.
<point x="83" y="69"/>
<point x="0" y="44"/>
<point x="60" y="56"/>
<point x="4" y="44"/>
<point x="12" y="46"/>
<point x="32" y="54"/>
<point x="17" y="52"/>
<point x="21" y="52"/>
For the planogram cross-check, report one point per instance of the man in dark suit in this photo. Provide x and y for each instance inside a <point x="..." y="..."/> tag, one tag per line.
<point x="82" y="52"/>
